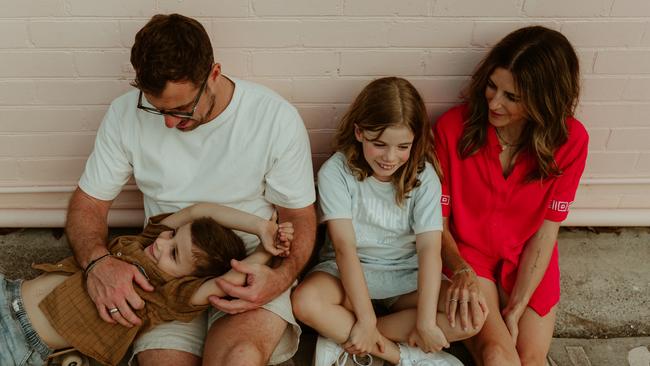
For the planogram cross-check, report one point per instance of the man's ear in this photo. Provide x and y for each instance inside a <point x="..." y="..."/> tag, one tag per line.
<point x="215" y="71"/>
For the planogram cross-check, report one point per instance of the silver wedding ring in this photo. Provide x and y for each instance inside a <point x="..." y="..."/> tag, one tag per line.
<point x="114" y="310"/>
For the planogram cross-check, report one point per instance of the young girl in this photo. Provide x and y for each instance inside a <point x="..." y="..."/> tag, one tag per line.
<point x="511" y="157"/>
<point x="379" y="196"/>
<point x="177" y="253"/>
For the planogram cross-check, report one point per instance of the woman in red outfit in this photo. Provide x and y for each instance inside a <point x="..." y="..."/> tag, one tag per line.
<point x="511" y="159"/>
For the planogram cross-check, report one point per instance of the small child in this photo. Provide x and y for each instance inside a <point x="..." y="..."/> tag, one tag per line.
<point x="178" y="254"/>
<point x="380" y="198"/>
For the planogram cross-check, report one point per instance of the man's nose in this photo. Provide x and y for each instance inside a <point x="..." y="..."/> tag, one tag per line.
<point x="171" y="121"/>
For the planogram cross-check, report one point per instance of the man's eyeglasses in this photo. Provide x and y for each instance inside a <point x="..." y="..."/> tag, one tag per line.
<point x="177" y="114"/>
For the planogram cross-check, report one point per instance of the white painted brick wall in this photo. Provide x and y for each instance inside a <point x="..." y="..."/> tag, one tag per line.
<point x="285" y="8"/>
<point x="63" y="61"/>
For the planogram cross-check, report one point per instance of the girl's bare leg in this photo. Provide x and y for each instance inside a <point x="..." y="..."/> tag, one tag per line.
<point x="319" y="301"/>
<point x="398" y="325"/>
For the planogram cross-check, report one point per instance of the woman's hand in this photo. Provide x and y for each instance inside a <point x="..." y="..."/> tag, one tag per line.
<point x="511" y="315"/>
<point x="464" y="296"/>
<point x="363" y="337"/>
<point x="429" y="338"/>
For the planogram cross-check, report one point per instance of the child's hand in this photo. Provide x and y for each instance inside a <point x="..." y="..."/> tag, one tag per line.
<point x="428" y="338"/>
<point x="276" y="239"/>
<point x="363" y="338"/>
<point x="283" y="238"/>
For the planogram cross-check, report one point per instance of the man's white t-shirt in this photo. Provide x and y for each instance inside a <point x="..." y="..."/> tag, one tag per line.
<point x="254" y="155"/>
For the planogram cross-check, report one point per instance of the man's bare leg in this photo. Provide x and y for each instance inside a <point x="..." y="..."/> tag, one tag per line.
<point x="244" y="339"/>
<point x="167" y="357"/>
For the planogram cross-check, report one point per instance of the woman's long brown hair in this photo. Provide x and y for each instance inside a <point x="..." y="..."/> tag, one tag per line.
<point x="546" y="74"/>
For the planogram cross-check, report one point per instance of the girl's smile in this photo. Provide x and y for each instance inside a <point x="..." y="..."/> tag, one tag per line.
<point x="386" y="151"/>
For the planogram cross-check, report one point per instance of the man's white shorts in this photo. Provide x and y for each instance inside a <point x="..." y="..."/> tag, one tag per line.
<point x="189" y="337"/>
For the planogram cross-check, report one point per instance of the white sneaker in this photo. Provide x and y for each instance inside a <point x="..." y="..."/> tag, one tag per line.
<point x="329" y="353"/>
<point x="413" y="356"/>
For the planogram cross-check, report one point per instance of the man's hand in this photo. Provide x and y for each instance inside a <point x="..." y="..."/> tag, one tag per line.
<point x="262" y="285"/>
<point x="110" y="286"/>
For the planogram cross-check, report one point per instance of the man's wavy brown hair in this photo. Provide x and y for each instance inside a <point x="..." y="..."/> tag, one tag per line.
<point x="388" y="102"/>
<point x="546" y="73"/>
<point x="170" y="48"/>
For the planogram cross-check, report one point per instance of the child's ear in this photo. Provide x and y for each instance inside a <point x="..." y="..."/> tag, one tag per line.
<point x="358" y="133"/>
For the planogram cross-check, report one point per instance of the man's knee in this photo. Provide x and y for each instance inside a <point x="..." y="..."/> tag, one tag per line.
<point x="167" y="357"/>
<point x="243" y="353"/>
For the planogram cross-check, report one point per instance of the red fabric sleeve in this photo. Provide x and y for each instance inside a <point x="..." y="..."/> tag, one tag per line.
<point x="571" y="157"/>
<point x="445" y="150"/>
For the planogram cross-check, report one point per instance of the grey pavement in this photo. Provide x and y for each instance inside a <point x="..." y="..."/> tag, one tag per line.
<point x="603" y="317"/>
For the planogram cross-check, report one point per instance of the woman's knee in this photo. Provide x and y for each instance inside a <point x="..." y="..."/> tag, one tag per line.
<point x="532" y="357"/>
<point x="497" y="354"/>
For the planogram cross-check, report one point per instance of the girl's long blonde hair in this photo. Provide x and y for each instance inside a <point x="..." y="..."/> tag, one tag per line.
<point x="388" y="102"/>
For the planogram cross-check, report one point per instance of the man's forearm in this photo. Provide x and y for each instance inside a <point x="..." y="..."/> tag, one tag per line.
<point x="87" y="227"/>
<point x="304" y="237"/>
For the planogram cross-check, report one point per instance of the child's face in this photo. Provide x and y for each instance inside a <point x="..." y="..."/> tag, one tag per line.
<point x="172" y="252"/>
<point x="388" y="152"/>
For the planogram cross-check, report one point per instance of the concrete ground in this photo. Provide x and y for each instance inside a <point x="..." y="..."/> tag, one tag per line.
<point x="603" y="317"/>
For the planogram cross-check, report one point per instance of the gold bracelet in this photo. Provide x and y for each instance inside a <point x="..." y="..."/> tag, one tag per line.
<point x="462" y="270"/>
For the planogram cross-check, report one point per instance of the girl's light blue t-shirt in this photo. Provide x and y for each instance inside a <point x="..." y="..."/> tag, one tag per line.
<point x="385" y="232"/>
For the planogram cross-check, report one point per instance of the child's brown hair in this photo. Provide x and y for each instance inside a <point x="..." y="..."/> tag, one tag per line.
<point x="216" y="245"/>
<point x="388" y="102"/>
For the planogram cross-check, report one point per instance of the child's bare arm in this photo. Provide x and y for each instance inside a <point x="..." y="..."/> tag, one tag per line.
<point x="210" y="287"/>
<point x="224" y="215"/>
<point x="426" y="333"/>
<point x="364" y="335"/>
<point x="231" y="218"/>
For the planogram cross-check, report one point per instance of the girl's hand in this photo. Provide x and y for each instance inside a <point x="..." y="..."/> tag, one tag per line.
<point x="511" y="315"/>
<point x="428" y="338"/>
<point x="363" y="337"/>
<point x="283" y="238"/>
<point x="464" y="296"/>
